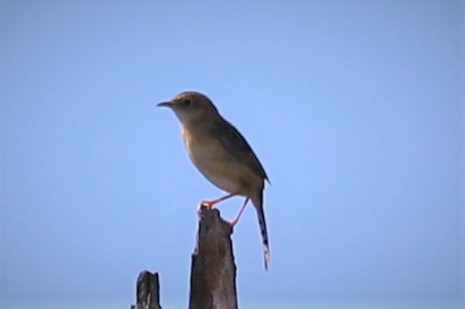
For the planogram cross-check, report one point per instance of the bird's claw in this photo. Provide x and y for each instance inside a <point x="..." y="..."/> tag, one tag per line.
<point x="207" y="204"/>
<point x="233" y="222"/>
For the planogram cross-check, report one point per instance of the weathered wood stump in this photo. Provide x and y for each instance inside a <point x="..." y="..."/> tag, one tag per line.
<point x="148" y="291"/>
<point x="213" y="271"/>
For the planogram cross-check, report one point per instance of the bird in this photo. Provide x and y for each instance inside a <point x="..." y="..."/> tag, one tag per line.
<point x="222" y="155"/>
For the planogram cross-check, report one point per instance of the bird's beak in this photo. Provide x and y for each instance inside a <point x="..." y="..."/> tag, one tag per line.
<point x="165" y="104"/>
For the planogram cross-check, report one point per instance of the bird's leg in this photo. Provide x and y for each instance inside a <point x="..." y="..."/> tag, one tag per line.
<point x="234" y="221"/>
<point x="211" y="203"/>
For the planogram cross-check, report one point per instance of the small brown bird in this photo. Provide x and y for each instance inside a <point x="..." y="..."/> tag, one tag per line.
<point x="221" y="154"/>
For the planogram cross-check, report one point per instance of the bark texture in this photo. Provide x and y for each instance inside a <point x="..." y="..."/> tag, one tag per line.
<point x="148" y="291"/>
<point x="213" y="271"/>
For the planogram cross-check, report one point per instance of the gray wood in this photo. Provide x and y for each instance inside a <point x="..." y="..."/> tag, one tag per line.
<point x="213" y="271"/>
<point x="148" y="291"/>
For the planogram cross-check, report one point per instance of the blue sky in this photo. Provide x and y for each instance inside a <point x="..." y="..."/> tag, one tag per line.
<point x="355" y="108"/>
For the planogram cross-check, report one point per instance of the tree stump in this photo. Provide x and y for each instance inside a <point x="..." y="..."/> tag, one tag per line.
<point x="148" y="291"/>
<point x="213" y="271"/>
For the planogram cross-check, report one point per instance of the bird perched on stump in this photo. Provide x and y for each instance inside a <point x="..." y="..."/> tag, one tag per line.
<point x="221" y="154"/>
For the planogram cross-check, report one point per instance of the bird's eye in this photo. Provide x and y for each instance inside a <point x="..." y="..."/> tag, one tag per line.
<point x="186" y="103"/>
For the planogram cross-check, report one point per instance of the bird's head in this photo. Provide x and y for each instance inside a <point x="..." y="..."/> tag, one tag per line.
<point x="191" y="107"/>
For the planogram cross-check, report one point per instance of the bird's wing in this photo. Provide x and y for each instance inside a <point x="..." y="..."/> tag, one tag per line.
<point x="233" y="141"/>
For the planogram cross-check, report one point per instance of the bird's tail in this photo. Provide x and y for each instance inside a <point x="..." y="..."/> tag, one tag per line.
<point x="257" y="201"/>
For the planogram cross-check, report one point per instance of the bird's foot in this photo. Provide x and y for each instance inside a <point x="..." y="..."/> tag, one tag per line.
<point x="208" y="204"/>
<point x="233" y="222"/>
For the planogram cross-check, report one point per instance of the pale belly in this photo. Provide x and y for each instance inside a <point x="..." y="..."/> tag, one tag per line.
<point x="221" y="181"/>
<point x="218" y="167"/>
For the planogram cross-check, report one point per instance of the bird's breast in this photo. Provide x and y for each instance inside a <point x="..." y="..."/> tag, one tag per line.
<point x="214" y="162"/>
